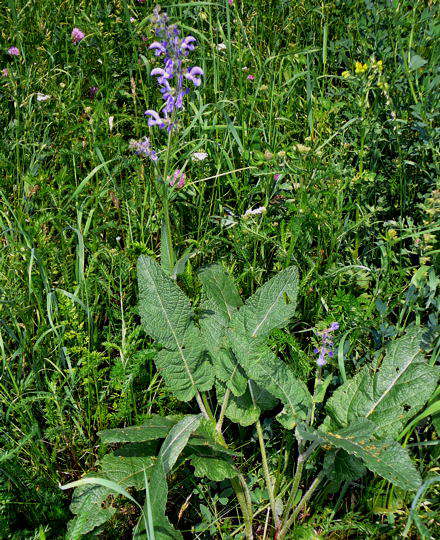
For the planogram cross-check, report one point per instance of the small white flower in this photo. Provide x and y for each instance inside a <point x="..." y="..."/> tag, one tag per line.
<point x="42" y="97"/>
<point x="259" y="210"/>
<point x="199" y="156"/>
<point x="221" y="47"/>
<point x="110" y="122"/>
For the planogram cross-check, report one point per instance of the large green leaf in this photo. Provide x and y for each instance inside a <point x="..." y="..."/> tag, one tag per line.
<point x="384" y="457"/>
<point x="272" y="305"/>
<point x="261" y="365"/>
<point x="127" y="471"/>
<point x="158" y="491"/>
<point x="207" y="437"/>
<point x="167" y="317"/>
<point x="170" y="450"/>
<point x="340" y="466"/>
<point x="156" y="427"/>
<point x="220" y="289"/>
<point x="214" y="468"/>
<point x="88" y="505"/>
<point x="391" y="395"/>
<point x="220" y="303"/>
<point x="243" y="409"/>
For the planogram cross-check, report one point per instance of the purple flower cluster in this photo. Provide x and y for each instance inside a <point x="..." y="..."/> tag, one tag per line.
<point x="143" y="148"/>
<point x="172" y="77"/>
<point x="326" y="344"/>
<point x="77" y="35"/>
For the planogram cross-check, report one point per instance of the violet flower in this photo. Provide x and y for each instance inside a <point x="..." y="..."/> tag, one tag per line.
<point x="178" y="177"/>
<point x="14" y="51"/>
<point x="77" y="35"/>
<point x="143" y="148"/>
<point x="155" y="119"/>
<point x="325" y="350"/>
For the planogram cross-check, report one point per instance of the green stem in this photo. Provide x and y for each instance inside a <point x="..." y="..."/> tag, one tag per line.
<point x="244" y="500"/>
<point x="239" y="486"/>
<point x="207" y="408"/>
<point x="166" y="206"/>
<point x="219" y="425"/>
<point x="302" y="458"/>
<point x="267" y="478"/>
<point x="202" y="406"/>
<point x="307" y="496"/>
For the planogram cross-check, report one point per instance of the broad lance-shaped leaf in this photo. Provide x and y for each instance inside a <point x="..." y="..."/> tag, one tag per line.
<point x="167" y="317"/>
<point x="87" y="504"/>
<point x="269" y="372"/>
<point x="156" y="427"/>
<point x="393" y="394"/>
<point x="163" y="530"/>
<point x="386" y="458"/>
<point x="340" y="466"/>
<point x="171" y="448"/>
<point x="177" y="439"/>
<point x="214" y="468"/>
<point x="126" y="468"/>
<point x="226" y="368"/>
<point x="272" y="305"/>
<point x="220" y="303"/>
<point x="127" y="471"/>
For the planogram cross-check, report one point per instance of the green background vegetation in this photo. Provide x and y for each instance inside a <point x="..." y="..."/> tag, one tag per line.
<point x="356" y="208"/>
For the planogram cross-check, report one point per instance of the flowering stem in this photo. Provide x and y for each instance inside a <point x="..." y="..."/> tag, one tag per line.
<point x="166" y="212"/>
<point x="316" y="387"/>
<point x="242" y="493"/>
<point x="244" y="500"/>
<point x="202" y="405"/>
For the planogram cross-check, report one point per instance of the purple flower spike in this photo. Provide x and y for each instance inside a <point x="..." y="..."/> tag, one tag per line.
<point x="155" y="119"/>
<point x="325" y="349"/>
<point x="158" y="48"/>
<point x="14" y="51"/>
<point x="193" y="75"/>
<point x="173" y="50"/>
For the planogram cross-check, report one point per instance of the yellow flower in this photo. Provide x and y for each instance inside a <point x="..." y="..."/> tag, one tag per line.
<point x="345" y="74"/>
<point x="379" y="65"/>
<point x="360" y="67"/>
<point x="392" y="233"/>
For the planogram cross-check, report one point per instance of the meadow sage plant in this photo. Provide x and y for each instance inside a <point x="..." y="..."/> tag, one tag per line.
<point x="217" y="356"/>
<point x="175" y="77"/>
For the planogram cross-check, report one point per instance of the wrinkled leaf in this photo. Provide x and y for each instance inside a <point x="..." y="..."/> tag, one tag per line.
<point x="391" y="395"/>
<point x="386" y="458"/>
<point x="167" y="317"/>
